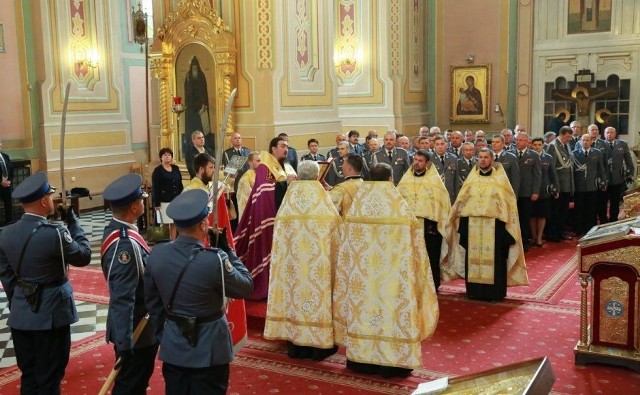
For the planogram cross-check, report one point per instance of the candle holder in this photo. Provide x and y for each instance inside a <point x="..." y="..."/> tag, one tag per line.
<point x="177" y="108"/>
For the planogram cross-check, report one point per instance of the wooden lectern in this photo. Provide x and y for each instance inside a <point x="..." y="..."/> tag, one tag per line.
<point x="610" y="321"/>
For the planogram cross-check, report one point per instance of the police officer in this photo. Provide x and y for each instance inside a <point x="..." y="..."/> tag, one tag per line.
<point x="34" y="259"/>
<point x="124" y="255"/>
<point x="185" y="287"/>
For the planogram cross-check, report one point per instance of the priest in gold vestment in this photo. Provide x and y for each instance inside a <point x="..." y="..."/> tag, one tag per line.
<point x="343" y="193"/>
<point x="486" y="245"/>
<point x="384" y="301"/>
<point x="305" y="246"/>
<point x="424" y="191"/>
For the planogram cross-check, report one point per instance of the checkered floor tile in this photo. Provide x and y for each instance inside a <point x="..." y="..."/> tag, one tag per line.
<point x="93" y="316"/>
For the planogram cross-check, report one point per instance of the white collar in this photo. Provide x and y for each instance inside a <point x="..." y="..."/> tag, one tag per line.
<point x="131" y="226"/>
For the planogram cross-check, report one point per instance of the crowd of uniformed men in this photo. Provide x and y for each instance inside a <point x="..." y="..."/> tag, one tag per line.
<point x="545" y="174"/>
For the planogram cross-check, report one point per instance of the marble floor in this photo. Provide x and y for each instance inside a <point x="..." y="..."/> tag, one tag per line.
<point x="93" y="316"/>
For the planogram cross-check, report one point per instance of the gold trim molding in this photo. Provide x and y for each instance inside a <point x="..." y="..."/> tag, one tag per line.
<point x="193" y="22"/>
<point x="628" y="256"/>
<point x="265" y="34"/>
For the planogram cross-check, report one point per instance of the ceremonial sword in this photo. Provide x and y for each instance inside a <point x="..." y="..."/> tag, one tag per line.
<point x="63" y="193"/>
<point x="219" y="142"/>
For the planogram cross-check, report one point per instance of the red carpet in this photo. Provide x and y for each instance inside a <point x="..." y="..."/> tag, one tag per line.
<point x="534" y="321"/>
<point x="549" y="269"/>
<point x="89" y="284"/>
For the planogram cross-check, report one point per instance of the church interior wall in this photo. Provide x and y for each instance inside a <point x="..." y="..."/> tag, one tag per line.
<point x="463" y="28"/>
<point x="560" y="54"/>
<point x="310" y="68"/>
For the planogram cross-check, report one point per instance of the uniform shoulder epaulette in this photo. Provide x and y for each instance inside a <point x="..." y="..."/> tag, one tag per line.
<point x="124" y="232"/>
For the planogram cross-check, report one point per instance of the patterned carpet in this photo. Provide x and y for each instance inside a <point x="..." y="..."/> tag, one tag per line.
<point x="534" y="321"/>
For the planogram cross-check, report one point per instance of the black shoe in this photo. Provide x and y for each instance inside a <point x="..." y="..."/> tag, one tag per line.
<point x="388" y="372"/>
<point x="298" y="352"/>
<point x="567" y="237"/>
<point x="318" y="354"/>
<point x="364" y="368"/>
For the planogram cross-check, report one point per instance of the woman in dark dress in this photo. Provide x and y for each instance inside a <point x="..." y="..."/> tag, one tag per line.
<point x="167" y="184"/>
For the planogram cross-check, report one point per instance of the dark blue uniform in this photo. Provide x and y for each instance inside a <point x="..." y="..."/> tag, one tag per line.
<point x="201" y="367"/>
<point x="40" y="331"/>
<point x="123" y="256"/>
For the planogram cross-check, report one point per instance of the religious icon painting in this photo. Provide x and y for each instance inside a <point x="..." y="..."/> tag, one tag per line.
<point x="470" y="93"/>
<point x="589" y="16"/>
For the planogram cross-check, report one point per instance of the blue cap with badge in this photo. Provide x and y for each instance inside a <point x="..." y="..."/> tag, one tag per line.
<point x="125" y="190"/>
<point x="189" y="208"/>
<point x="33" y="188"/>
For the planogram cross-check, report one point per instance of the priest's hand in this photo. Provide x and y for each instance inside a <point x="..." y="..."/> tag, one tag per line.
<point x="534" y="197"/>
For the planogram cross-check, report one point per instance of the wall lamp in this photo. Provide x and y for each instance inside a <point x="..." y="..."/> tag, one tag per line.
<point x="87" y="59"/>
<point x="498" y="110"/>
<point x="91" y="63"/>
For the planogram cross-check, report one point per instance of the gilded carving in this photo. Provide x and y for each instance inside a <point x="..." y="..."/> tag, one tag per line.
<point x="194" y="23"/>
<point x="394" y="29"/>
<point x="265" y="34"/>
<point x="628" y="256"/>
<point x="614" y="310"/>
<point x="584" y="283"/>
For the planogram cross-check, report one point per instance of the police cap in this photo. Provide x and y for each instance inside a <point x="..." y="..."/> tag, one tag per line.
<point x="125" y="190"/>
<point x="33" y="188"/>
<point x="189" y="208"/>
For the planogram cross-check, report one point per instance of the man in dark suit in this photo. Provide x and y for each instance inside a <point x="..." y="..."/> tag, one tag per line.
<point x="198" y="147"/>
<point x="589" y="177"/>
<point x="6" y="177"/>
<point x="508" y="160"/>
<point x="354" y="146"/>
<point x="236" y="150"/>
<point x="186" y="286"/>
<point x="313" y="154"/>
<point x="530" y="177"/>
<point x="395" y="157"/>
<point x="619" y="167"/>
<point x="124" y="254"/>
<point x="292" y="154"/>
<point x="34" y="259"/>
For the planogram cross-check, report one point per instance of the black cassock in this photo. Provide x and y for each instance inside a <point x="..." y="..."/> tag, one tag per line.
<point x="497" y="290"/>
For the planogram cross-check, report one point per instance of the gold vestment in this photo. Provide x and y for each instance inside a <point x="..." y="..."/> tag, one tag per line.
<point x="343" y="193"/>
<point x="384" y="300"/>
<point x="244" y="190"/>
<point x="428" y="198"/>
<point x="484" y="199"/>
<point x="304" y="250"/>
